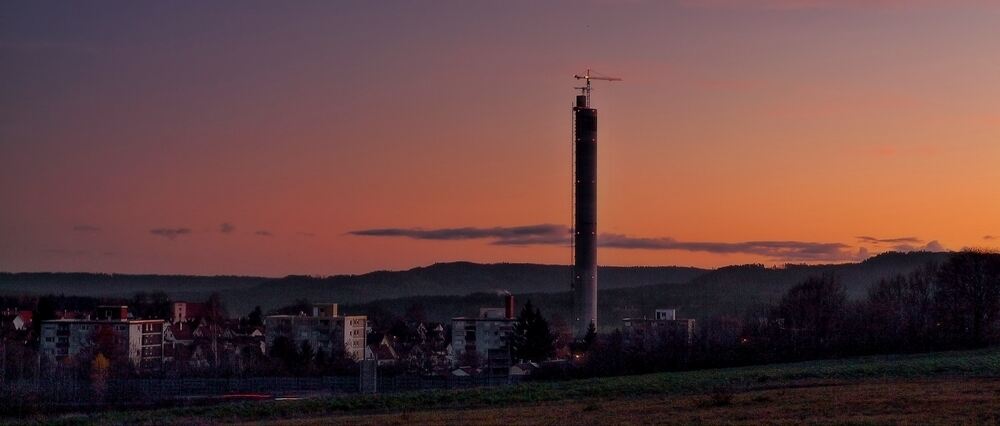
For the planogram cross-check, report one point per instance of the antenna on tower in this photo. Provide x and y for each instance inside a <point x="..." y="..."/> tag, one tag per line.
<point x="590" y="75"/>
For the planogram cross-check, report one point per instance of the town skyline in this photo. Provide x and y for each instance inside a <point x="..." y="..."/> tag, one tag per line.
<point x="261" y="140"/>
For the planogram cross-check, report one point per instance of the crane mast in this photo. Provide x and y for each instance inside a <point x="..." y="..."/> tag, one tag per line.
<point x="586" y="88"/>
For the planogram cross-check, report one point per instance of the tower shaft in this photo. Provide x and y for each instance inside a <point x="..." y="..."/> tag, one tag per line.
<point x="585" y="216"/>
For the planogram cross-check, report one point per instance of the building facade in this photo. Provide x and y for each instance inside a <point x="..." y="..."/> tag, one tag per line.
<point x="182" y="312"/>
<point x="487" y="336"/>
<point x="141" y="341"/>
<point x="324" y="330"/>
<point x="663" y="331"/>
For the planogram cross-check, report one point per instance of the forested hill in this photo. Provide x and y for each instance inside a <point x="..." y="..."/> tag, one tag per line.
<point x="745" y="283"/>
<point x="455" y="278"/>
<point x="242" y="293"/>
<point x="121" y="285"/>
<point x="696" y="291"/>
<point x="728" y="290"/>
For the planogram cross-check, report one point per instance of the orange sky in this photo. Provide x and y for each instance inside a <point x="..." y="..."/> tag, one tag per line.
<point x="805" y="122"/>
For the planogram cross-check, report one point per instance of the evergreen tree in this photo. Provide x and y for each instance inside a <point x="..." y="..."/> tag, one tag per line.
<point x="532" y="340"/>
<point x="285" y="352"/>
<point x="588" y="339"/>
<point x="305" y="357"/>
<point x="256" y="317"/>
<point x="44" y="310"/>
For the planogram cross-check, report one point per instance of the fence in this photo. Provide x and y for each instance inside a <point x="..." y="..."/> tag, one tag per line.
<point x="149" y="391"/>
<point x="78" y="393"/>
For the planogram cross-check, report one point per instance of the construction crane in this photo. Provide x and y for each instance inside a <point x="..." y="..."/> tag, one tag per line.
<point x="591" y="76"/>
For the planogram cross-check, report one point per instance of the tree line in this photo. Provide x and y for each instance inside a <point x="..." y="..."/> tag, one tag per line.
<point x="946" y="306"/>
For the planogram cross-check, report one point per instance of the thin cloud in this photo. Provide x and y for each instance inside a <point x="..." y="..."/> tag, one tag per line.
<point x="263" y="233"/>
<point x="899" y="240"/>
<point x="227" y="228"/>
<point x="933" y="246"/>
<point x="900" y="244"/>
<point x="510" y="235"/>
<point x="785" y="250"/>
<point x="86" y="228"/>
<point x="170" y="233"/>
<point x="903" y="244"/>
<point x="548" y="234"/>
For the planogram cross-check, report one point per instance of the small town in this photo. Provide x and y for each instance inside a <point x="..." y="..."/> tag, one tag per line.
<point x="110" y="346"/>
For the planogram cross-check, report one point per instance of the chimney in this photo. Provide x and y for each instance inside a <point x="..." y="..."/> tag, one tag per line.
<point x="509" y="305"/>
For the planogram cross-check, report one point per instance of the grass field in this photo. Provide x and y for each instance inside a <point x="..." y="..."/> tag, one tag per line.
<point x="781" y="393"/>
<point x="922" y="402"/>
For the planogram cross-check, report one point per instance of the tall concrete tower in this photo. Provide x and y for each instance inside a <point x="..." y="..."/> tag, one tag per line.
<point x="584" y="216"/>
<point x="585" y="208"/>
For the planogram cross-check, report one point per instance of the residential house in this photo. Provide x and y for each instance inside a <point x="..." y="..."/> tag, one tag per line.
<point x="663" y="331"/>
<point x="324" y="330"/>
<point x="141" y="341"/>
<point x="486" y="337"/>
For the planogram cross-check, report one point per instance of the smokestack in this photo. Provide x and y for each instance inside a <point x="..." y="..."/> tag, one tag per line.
<point x="584" y="216"/>
<point x="509" y="305"/>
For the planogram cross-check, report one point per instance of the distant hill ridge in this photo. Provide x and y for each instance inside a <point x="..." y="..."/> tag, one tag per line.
<point x="242" y="293"/>
<point x="456" y="279"/>
<point x="692" y="288"/>
<point x="730" y="290"/>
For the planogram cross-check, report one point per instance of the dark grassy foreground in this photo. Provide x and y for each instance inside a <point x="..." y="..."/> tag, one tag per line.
<point x="868" y="402"/>
<point x="981" y="363"/>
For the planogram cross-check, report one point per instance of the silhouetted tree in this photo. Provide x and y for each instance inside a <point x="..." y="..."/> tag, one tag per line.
<point x="379" y="318"/>
<point x="256" y="317"/>
<point x="215" y="315"/>
<point x="813" y="311"/>
<point x="283" y="350"/>
<point x="306" y="359"/>
<point x="606" y="356"/>
<point x="415" y="313"/>
<point x="588" y="339"/>
<point x="252" y="361"/>
<point x="321" y="361"/>
<point x="44" y="310"/>
<point x="968" y="297"/>
<point x="108" y="344"/>
<point x="403" y="333"/>
<point x="899" y="313"/>
<point x="531" y="339"/>
<point x="155" y="305"/>
<point x="469" y="359"/>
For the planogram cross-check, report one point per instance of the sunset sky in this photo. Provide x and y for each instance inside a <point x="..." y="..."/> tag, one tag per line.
<point x="275" y="138"/>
